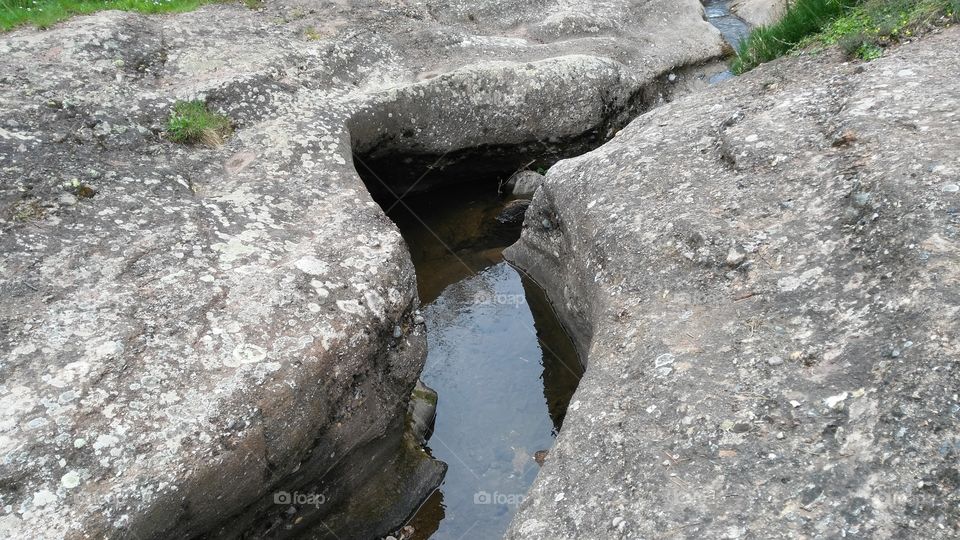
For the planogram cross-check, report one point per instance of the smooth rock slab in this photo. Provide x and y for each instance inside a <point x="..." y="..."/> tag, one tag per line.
<point x="846" y="271"/>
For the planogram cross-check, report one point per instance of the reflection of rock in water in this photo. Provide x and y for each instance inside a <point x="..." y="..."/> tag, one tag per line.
<point x="562" y="368"/>
<point x="427" y="520"/>
<point x="453" y="234"/>
<point x="460" y="295"/>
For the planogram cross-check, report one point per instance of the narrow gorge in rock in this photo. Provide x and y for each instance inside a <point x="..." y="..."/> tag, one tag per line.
<point x="502" y="366"/>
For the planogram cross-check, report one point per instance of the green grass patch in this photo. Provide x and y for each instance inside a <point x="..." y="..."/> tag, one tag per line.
<point x="45" y="13"/>
<point x="861" y="28"/>
<point x="192" y="122"/>
<point x="802" y="19"/>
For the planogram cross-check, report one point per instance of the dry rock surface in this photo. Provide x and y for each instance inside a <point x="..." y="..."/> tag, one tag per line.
<point x="759" y="12"/>
<point x="188" y="330"/>
<point x="764" y="280"/>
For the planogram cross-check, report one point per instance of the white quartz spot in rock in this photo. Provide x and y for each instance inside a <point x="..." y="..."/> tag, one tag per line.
<point x="245" y="353"/>
<point x="70" y="480"/>
<point x="833" y="401"/>
<point x="43" y="497"/>
<point x="104" y="441"/>
<point x="789" y="283"/>
<point x="312" y="265"/>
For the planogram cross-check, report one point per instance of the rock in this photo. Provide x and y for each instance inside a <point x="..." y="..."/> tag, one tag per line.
<point x="540" y="456"/>
<point x="67" y="199"/>
<point x="834" y="401"/>
<point x="422" y="411"/>
<point x="710" y="170"/>
<point x="734" y="257"/>
<point x="759" y="12"/>
<point x="513" y="212"/>
<point x="524" y="184"/>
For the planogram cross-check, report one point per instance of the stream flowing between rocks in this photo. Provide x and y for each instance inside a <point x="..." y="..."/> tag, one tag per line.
<point x="502" y="365"/>
<point x="732" y="28"/>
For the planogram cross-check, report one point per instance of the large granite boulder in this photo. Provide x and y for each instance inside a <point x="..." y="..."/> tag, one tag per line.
<point x="189" y="331"/>
<point x="764" y="280"/>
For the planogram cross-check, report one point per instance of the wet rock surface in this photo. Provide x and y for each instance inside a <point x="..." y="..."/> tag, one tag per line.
<point x="187" y="330"/>
<point x="764" y="281"/>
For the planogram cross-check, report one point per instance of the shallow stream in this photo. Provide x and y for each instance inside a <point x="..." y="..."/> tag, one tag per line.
<point x="733" y="29"/>
<point x="502" y="365"/>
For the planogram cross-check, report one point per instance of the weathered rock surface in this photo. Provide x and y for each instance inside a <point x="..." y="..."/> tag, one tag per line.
<point x="422" y="411"/>
<point x="764" y="279"/>
<point x="759" y="12"/>
<point x="188" y="330"/>
<point x="524" y="184"/>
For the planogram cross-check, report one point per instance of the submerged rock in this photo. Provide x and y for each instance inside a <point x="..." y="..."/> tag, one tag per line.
<point x="512" y="213"/>
<point x="781" y="411"/>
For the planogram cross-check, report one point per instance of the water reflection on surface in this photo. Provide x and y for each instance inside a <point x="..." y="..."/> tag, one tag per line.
<point x="503" y="366"/>
<point x="733" y="29"/>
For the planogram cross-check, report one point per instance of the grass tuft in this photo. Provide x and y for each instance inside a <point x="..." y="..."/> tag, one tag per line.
<point x="192" y="122"/>
<point x="861" y="28"/>
<point x="802" y="19"/>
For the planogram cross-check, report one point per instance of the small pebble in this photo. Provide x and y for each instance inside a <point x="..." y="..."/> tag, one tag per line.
<point x="734" y="257"/>
<point x="833" y="401"/>
<point x="774" y="360"/>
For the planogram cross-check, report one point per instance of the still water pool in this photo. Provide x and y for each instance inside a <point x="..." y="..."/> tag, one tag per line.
<point x="501" y="363"/>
